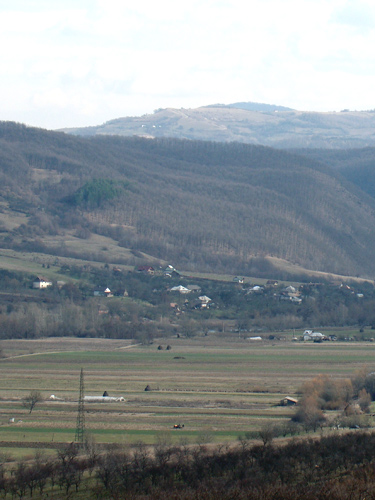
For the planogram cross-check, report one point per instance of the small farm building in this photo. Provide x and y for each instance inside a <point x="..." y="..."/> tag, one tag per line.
<point x="288" y="401"/>
<point x="315" y="336"/>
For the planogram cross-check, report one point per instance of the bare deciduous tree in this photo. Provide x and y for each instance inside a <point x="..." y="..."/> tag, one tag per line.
<point x="267" y="433"/>
<point x="32" y="399"/>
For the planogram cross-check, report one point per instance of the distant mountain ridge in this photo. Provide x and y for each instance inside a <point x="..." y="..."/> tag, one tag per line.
<point x="251" y="123"/>
<point x="252" y="106"/>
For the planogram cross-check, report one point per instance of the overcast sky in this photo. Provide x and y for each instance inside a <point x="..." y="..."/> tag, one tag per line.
<point x="82" y="62"/>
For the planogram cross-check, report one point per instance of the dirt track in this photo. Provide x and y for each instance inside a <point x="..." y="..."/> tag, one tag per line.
<point x="54" y="346"/>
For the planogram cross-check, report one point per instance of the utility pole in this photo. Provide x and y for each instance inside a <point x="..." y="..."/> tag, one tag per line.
<point x="80" y="429"/>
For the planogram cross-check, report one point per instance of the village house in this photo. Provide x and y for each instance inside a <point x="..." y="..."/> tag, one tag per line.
<point x="203" y="302"/>
<point x="41" y="283"/>
<point x="290" y="293"/>
<point x="146" y="270"/>
<point x="255" y="289"/>
<point x="171" y="272"/>
<point x="314" y="336"/>
<point x="180" y="289"/>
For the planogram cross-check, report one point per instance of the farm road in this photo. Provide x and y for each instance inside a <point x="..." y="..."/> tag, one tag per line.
<point x="57" y="352"/>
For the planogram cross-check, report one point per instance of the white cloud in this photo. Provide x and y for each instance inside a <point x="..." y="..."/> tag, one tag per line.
<point x="355" y="13"/>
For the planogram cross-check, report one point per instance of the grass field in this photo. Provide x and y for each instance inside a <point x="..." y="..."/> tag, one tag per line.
<point x="218" y="389"/>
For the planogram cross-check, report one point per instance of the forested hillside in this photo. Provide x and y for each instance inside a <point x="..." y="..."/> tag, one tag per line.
<point x="201" y="205"/>
<point x="355" y="165"/>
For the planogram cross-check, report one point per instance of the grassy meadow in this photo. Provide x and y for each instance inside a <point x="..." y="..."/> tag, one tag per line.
<point x="217" y="389"/>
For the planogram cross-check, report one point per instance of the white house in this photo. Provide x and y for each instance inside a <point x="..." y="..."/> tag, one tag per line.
<point x="315" y="336"/>
<point x="204" y="299"/>
<point x="180" y="289"/>
<point x="41" y="282"/>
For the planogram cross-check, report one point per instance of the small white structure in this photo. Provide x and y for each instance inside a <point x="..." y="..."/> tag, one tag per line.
<point x="103" y="399"/>
<point x="41" y="282"/>
<point x="296" y="300"/>
<point x="106" y="292"/>
<point x="254" y="338"/>
<point x="55" y="398"/>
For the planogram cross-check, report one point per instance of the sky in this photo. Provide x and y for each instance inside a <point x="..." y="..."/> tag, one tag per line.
<point x="74" y="63"/>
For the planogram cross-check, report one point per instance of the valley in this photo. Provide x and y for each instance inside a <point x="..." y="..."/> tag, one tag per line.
<point x="178" y="277"/>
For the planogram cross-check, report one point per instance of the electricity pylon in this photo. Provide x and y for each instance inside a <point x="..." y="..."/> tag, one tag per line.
<point x="80" y="428"/>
